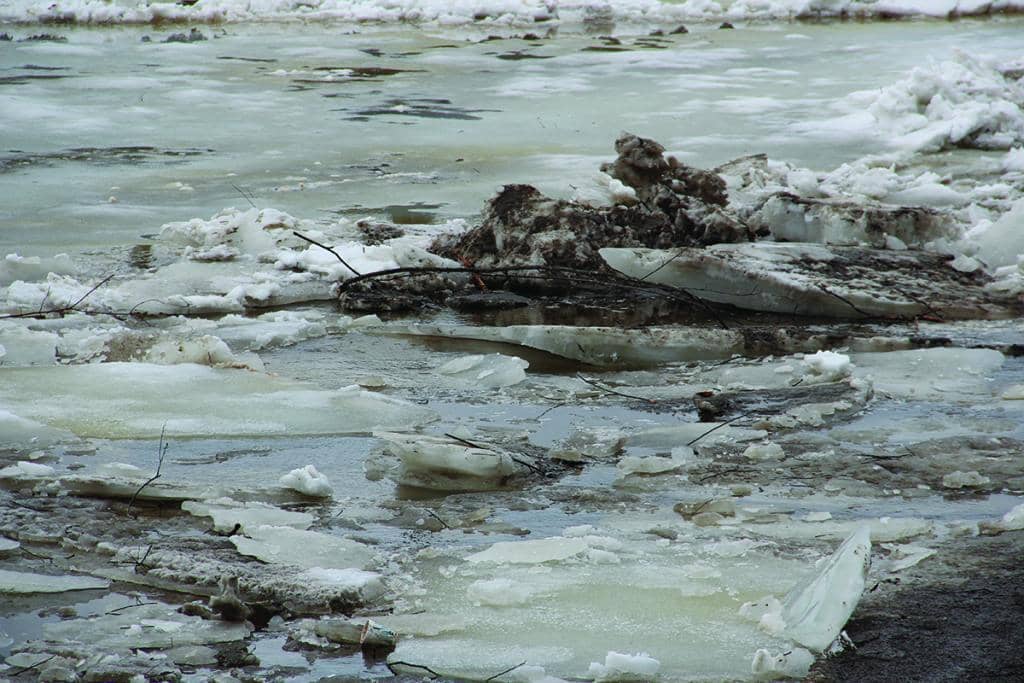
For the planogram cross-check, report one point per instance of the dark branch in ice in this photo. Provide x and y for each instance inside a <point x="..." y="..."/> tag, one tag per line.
<point x="502" y="673"/>
<point x="324" y="246"/>
<point x="61" y="310"/>
<point x="720" y="425"/>
<point x="161" y="452"/>
<point x="609" y="390"/>
<point x="391" y="667"/>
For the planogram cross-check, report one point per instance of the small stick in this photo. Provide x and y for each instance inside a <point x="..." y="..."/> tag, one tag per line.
<point x="608" y="390"/>
<point x="720" y="425"/>
<point x="502" y="673"/>
<point x="324" y="246"/>
<point x="391" y="667"/>
<point x="437" y="517"/>
<point x="161" y="452"/>
<point x="61" y="309"/>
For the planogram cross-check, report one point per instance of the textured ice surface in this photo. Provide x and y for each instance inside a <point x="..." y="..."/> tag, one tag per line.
<point x="25" y="582"/>
<point x="931" y="374"/>
<point x="816" y="610"/>
<point x="145" y="626"/>
<point x="618" y="666"/>
<point x="299" y="548"/>
<point x="123" y="400"/>
<point x="226" y="513"/>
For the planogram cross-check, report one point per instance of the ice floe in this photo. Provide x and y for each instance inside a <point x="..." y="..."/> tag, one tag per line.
<point x="494" y="370"/>
<point x="26" y="582"/>
<point x="307" y="480"/>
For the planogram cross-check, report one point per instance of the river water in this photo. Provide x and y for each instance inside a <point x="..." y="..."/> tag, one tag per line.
<point x="132" y="147"/>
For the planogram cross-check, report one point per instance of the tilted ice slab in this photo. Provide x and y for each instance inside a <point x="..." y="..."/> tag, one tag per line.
<point x="816" y="611"/>
<point x="25" y="582"/>
<point x="596" y="345"/>
<point x="947" y="374"/>
<point x="812" y="279"/>
<point x="442" y="463"/>
<point x="493" y="370"/>
<point x="136" y="400"/>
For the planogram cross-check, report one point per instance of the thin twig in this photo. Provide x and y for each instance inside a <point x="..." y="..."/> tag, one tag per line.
<point x="324" y="246"/>
<point x="37" y="664"/>
<point x="464" y="442"/>
<point x="136" y="604"/>
<point x="608" y="390"/>
<point x="61" y="309"/>
<point x="502" y="673"/>
<point x="246" y="195"/>
<point x="161" y="450"/>
<point x="720" y="425"/>
<point x="391" y="667"/>
<point x="437" y="517"/>
<point x="528" y="465"/>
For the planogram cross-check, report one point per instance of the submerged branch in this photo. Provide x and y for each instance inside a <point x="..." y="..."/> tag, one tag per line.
<point x="161" y="450"/>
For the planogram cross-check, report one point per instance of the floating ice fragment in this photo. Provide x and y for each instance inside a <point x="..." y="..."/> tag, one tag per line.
<point x="1011" y="521"/>
<point x="25" y="582"/>
<point x="367" y="585"/>
<point x="816" y="610"/>
<point x="1013" y="393"/>
<point x="531" y="552"/>
<point x="204" y="350"/>
<point x="495" y="370"/>
<point x="307" y="480"/>
<point x="623" y="667"/>
<point x="499" y="592"/>
<point x="446" y="464"/>
<point x="23" y="469"/>
<point x="632" y="464"/>
<point x="827" y="366"/>
<point x="962" y="480"/>
<point x="794" y="663"/>
<point x="764" y="451"/>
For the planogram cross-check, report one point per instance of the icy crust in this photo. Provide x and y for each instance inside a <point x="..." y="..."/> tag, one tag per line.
<point x="233" y="262"/>
<point x="815" y="280"/>
<point x="460" y="12"/>
<point x="614" y="602"/>
<point x="966" y="101"/>
<point x="137" y="400"/>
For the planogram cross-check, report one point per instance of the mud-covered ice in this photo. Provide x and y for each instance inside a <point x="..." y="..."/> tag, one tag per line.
<point x="813" y="279"/>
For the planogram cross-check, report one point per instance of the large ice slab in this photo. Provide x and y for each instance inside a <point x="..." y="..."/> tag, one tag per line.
<point x="596" y="345"/>
<point x="300" y="548"/>
<point x="27" y="582"/>
<point x="136" y="400"/>
<point x="815" y="280"/>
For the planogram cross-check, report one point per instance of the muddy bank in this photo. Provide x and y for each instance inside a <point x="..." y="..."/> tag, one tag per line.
<point x="955" y="617"/>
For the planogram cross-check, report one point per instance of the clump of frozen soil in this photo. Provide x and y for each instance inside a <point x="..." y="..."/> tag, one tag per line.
<point x="658" y="203"/>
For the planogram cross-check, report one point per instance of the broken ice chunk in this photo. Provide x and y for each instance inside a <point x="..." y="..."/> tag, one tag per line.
<point x="25" y="582"/>
<point x="816" y="610"/>
<point x="965" y="480"/>
<point x="826" y="366"/>
<point x="794" y="663"/>
<point x="307" y="480"/>
<point x="494" y="370"/>
<point x="500" y="592"/>
<point x="632" y="464"/>
<point x="446" y="464"/>
<point x="622" y="667"/>
<point x="227" y="513"/>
